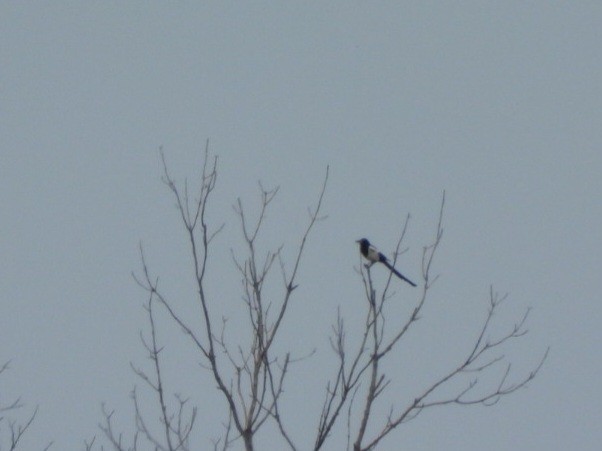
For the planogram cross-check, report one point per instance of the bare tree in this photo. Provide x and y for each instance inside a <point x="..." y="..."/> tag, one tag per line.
<point x="378" y="343"/>
<point x="174" y="427"/>
<point x="11" y="429"/>
<point x="250" y="376"/>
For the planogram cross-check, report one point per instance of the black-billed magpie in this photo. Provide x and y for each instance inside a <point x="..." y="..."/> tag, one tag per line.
<point x="372" y="255"/>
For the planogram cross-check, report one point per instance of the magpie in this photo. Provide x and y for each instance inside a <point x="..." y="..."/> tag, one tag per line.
<point x="371" y="254"/>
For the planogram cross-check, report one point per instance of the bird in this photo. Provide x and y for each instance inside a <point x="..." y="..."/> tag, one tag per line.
<point x="371" y="254"/>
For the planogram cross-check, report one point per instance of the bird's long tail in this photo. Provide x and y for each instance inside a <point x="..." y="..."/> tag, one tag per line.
<point x="398" y="274"/>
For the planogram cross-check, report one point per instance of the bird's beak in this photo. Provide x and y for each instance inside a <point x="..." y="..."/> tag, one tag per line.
<point x="357" y="241"/>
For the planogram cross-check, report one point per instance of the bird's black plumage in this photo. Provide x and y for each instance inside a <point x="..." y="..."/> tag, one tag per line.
<point x="371" y="254"/>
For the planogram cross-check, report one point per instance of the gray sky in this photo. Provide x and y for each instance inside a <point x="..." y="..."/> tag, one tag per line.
<point x="498" y="104"/>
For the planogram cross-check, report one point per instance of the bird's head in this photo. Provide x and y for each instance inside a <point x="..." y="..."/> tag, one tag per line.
<point x="363" y="242"/>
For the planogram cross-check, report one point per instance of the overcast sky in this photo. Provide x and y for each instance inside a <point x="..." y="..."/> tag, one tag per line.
<point x="498" y="103"/>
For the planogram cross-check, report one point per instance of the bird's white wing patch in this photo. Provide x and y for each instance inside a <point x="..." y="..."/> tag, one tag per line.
<point x="373" y="255"/>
